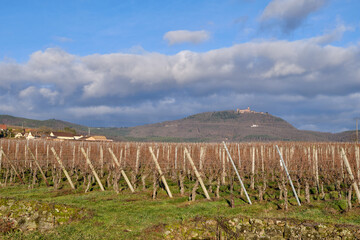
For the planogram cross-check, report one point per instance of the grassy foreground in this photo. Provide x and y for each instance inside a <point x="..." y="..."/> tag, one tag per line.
<point x="138" y="216"/>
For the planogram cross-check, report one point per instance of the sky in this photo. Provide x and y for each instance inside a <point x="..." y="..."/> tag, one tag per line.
<point x="126" y="63"/>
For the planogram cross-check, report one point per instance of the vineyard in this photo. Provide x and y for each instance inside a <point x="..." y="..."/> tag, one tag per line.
<point x="317" y="170"/>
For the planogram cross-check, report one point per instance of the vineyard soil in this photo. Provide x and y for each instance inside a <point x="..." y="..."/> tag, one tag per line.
<point x="138" y="216"/>
<point x="127" y="190"/>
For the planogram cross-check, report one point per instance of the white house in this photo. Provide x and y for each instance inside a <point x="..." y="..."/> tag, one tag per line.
<point x="19" y="135"/>
<point x="65" y="136"/>
<point x="30" y="136"/>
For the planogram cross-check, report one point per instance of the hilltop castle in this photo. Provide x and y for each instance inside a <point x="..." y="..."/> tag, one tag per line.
<point x="244" y="110"/>
<point x="247" y="111"/>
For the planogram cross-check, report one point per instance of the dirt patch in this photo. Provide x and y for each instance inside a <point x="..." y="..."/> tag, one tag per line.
<point x="131" y="200"/>
<point x="62" y="192"/>
<point x="6" y="225"/>
<point x="158" y="228"/>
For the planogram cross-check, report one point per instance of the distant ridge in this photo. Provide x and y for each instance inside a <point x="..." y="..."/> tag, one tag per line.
<point x="31" y="123"/>
<point x="203" y="127"/>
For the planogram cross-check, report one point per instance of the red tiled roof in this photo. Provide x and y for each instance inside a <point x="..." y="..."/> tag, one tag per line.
<point x="3" y="126"/>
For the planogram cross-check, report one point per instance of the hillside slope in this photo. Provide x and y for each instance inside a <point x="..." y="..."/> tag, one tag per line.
<point x="202" y="127"/>
<point x="227" y="125"/>
<point x="31" y="123"/>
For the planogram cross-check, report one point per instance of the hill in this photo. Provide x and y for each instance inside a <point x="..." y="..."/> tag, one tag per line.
<point x="31" y="123"/>
<point x="226" y="125"/>
<point x="203" y="127"/>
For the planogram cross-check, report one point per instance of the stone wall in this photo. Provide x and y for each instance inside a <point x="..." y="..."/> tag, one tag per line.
<point x="35" y="215"/>
<point x="248" y="228"/>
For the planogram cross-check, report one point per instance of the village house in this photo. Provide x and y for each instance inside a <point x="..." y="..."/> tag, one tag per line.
<point x="19" y="135"/>
<point x="3" y="127"/>
<point x="29" y="136"/>
<point x="64" y="136"/>
<point x="97" y="138"/>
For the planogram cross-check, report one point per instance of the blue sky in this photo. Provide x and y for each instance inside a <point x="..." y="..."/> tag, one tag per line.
<point x="126" y="63"/>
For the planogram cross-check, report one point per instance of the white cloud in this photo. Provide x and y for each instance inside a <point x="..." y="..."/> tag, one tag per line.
<point x="50" y="95"/>
<point x="290" y="13"/>
<point x="27" y="92"/>
<point x="7" y="109"/>
<point x="185" y="36"/>
<point x="95" y="110"/>
<point x="281" y="69"/>
<point x="32" y="96"/>
<point x="332" y="36"/>
<point x="141" y="109"/>
<point x="252" y="66"/>
<point x="316" y="78"/>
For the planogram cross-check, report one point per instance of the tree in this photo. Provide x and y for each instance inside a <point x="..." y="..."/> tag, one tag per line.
<point x="70" y="130"/>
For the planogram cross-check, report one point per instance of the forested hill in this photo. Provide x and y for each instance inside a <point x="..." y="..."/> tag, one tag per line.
<point x="31" y="123"/>
<point x="202" y="127"/>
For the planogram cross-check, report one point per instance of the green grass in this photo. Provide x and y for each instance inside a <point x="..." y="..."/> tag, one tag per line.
<point x="138" y="216"/>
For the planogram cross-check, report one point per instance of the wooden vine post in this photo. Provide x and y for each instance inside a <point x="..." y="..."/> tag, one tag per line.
<point x="238" y="147"/>
<point x="92" y="169"/>
<point x="316" y="167"/>
<point x="348" y="168"/>
<point x="38" y="165"/>
<point x="175" y="157"/>
<point x="101" y="161"/>
<point x="12" y="165"/>
<point x="357" y="158"/>
<point x="63" y="168"/>
<point x="202" y="156"/>
<point x="160" y="172"/>
<point x="288" y="175"/>
<point x="333" y="156"/>
<point x="0" y="159"/>
<point x="237" y="173"/>
<point x="137" y="160"/>
<point x="223" y="174"/>
<point x="197" y="174"/>
<point x="121" y="170"/>
<point x="73" y="159"/>
<point x="252" y="182"/>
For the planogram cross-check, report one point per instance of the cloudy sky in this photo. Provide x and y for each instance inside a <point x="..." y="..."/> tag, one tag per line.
<point x="127" y="63"/>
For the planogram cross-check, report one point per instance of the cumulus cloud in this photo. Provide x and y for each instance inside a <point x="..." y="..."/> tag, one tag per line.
<point x="27" y="92"/>
<point x="37" y="97"/>
<point x="50" y="95"/>
<point x="289" y="14"/>
<point x="135" y="114"/>
<point x="6" y="108"/>
<point x="300" y="76"/>
<point x="333" y="35"/>
<point x="283" y="69"/>
<point x="141" y="109"/>
<point x="185" y="36"/>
